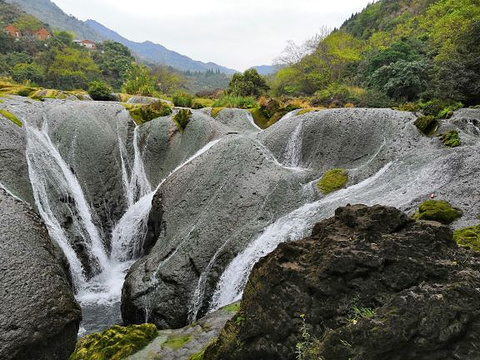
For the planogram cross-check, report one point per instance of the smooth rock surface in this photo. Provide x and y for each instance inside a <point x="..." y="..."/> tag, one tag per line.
<point x="39" y="317"/>
<point x="371" y="284"/>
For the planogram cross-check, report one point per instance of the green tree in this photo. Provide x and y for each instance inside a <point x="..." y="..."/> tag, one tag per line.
<point x="139" y="81"/>
<point x="250" y="83"/>
<point x="114" y="61"/>
<point x="28" y="72"/>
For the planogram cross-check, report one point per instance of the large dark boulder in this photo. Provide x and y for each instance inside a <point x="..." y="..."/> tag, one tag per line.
<point x="370" y="283"/>
<point x="39" y="317"/>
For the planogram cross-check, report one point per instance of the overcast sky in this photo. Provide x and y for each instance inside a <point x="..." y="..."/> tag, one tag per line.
<point x="233" y="33"/>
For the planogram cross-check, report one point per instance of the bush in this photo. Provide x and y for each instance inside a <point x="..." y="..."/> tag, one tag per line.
<point x="437" y="210"/>
<point x="337" y="95"/>
<point x="440" y="109"/>
<point x="100" y="91"/>
<point x="426" y="124"/>
<point x="333" y="180"/>
<point x="182" y="99"/>
<point x="250" y="83"/>
<point x="450" y="139"/>
<point x="149" y="112"/>
<point x="239" y="102"/>
<point x="182" y="118"/>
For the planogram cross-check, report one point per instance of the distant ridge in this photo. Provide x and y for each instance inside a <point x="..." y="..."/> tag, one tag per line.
<point x="47" y="12"/>
<point x="266" y="69"/>
<point x="156" y="53"/>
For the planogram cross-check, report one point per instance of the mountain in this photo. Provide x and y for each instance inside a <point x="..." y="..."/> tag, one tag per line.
<point x="266" y="69"/>
<point x="48" y="12"/>
<point x="156" y="53"/>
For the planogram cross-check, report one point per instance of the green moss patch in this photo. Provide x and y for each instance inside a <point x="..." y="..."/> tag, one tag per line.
<point x="232" y="307"/>
<point x="468" y="237"/>
<point x="11" y="117"/>
<point x="115" y="343"/>
<point x="215" y="111"/>
<point x="259" y="118"/>
<point x="177" y="342"/>
<point x="450" y="139"/>
<point x="426" y="124"/>
<point x="182" y="118"/>
<point x="144" y="113"/>
<point x="305" y="111"/>
<point x="333" y="180"/>
<point x="437" y="210"/>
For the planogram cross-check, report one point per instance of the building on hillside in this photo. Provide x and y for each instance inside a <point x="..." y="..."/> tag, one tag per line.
<point x="12" y="30"/>
<point x="86" y="44"/>
<point x="42" y="34"/>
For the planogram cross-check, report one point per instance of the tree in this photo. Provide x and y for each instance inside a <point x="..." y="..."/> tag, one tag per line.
<point x="139" y="81"/>
<point x="167" y="81"/>
<point x="28" y="72"/>
<point x="250" y="83"/>
<point x="114" y="61"/>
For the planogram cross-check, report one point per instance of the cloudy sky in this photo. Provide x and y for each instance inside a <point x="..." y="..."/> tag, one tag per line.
<point x="233" y="33"/>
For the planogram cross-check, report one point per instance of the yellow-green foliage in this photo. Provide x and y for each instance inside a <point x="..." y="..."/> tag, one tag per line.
<point x="333" y="180"/>
<point x="182" y="118"/>
<point x="469" y="237"/>
<point x="177" y="342"/>
<point x="124" y="97"/>
<point x="115" y="343"/>
<point x="197" y="356"/>
<point x="215" y="111"/>
<point x="200" y="103"/>
<point x="437" y="210"/>
<point x="57" y="94"/>
<point x="305" y="111"/>
<point x="144" y="113"/>
<point x="259" y="118"/>
<point x="450" y="139"/>
<point x="11" y="117"/>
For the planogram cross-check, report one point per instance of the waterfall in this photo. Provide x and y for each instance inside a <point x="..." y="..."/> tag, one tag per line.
<point x="56" y="191"/>
<point x="293" y="150"/>
<point x="293" y="226"/>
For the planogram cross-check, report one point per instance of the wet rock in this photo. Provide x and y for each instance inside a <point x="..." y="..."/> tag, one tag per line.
<point x="212" y="208"/>
<point x="370" y="283"/>
<point x="39" y="317"/>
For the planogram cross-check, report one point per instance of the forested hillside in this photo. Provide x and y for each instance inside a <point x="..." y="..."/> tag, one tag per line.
<point x="394" y="51"/>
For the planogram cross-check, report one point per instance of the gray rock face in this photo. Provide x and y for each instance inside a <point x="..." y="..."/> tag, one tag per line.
<point x="237" y="120"/>
<point x="13" y="164"/>
<point x="212" y="207"/>
<point x="165" y="148"/>
<point x="39" y="316"/>
<point x="218" y="204"/>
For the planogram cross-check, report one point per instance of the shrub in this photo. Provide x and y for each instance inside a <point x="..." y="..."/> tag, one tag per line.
<point x="182" y="99"/>
<point x="182" y="118"/>
<point x="149" y="112"/>
<point x="115" y="343"/>
<point x="469" y="237"/>
<point x="450" y="139"/>
<point x="333" y="180"/>
<point x="440" y="109"/>
<point x="437" y="210"/>
<point x="25" y="91"/>
<point x="250" y="83"/>
<point x="236" y="102"/>
<point x="100" y="91"/>
<point x="426" y="124"/>
<point x="337" y="95"/>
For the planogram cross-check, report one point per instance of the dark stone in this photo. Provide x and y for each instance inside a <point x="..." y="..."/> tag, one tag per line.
<point x="371" y="284"/>
<point x="39" y="317"/>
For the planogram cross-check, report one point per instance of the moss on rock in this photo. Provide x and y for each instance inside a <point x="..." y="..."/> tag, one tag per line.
<point x="333" y="180"/>
<point x="176" y="342"/>
<point x="468" y="237"/>
<point x="426" y="124"/>
<point x="216" y="111"/>
<point x="438" y="210"/>
<point x="450" y="139"/>
<point x="11" y="117"/>
<point x="115" y="343"/>
<point x="144" y="113"/>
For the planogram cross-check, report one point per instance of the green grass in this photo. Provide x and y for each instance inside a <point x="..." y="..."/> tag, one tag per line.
<point x="238" y="102"/>
<point x="11" y="117"/>
<point x="468" y="237"/>
<point x="176" y="343"/>
<point x="333" y="180"/>
<point x="215" y="111"/>
<point x="437" y="210"/>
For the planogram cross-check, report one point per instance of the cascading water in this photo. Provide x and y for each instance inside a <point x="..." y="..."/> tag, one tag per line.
<point x="293" y="150"/>
<point x="393" y="185"/>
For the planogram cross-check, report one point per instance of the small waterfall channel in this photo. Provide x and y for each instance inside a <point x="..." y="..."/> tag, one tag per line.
<point x="98" y="270"/>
